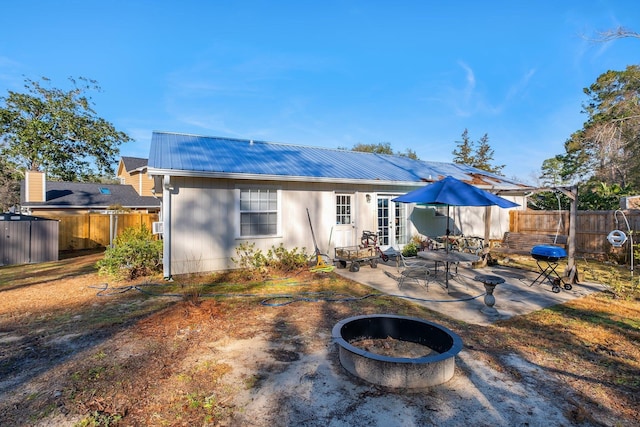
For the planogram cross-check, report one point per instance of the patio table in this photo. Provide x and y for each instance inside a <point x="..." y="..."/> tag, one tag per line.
<point x="447" y="258"/>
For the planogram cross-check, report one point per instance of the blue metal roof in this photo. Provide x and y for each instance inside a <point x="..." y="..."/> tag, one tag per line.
<point x="177" y="154"/>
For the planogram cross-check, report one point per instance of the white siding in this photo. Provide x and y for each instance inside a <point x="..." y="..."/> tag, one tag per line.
<point x="205" y="214"/>
<point x="205" y="219"/>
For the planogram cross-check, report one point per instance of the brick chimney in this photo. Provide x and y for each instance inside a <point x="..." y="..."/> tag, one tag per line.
<point x="35" y="188"/>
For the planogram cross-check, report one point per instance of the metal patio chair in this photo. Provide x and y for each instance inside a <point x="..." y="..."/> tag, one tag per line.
<point x="412" y="269"/>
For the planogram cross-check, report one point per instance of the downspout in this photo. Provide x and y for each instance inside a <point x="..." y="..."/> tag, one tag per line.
<point x="166" y="227"/>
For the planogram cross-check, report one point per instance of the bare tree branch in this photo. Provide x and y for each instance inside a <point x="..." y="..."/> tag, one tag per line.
<point x="610" y="35"/>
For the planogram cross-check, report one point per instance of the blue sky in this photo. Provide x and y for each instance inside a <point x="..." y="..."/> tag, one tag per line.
<point x="414" y="74"/>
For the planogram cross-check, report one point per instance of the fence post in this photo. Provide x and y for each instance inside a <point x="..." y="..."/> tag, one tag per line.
<point x="513" y="220"/>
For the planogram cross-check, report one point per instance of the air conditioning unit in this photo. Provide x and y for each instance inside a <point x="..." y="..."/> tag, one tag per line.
<point x="157" y="227"/>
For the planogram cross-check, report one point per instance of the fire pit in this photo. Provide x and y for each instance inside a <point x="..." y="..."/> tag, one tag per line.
<point x="435" y="367"/>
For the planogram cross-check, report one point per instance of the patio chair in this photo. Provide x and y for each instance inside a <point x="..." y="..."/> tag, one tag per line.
<point x="412" y="269"/>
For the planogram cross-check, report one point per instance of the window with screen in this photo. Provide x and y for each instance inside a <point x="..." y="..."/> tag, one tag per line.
<point x="258" y="212"/>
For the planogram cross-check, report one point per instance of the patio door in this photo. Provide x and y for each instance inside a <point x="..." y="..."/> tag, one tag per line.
<point x="392" y="222"/>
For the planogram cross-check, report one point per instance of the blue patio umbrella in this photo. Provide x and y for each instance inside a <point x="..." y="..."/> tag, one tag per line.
<point x="453" y="192"/>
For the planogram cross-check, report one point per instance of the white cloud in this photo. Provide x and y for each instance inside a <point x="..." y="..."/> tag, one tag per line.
<point x="520" y="86"/>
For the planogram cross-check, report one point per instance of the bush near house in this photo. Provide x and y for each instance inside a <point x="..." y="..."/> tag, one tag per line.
<point x="135" y="253"/>
<point x="410" y="249"/>
<point x="252" y="261"/>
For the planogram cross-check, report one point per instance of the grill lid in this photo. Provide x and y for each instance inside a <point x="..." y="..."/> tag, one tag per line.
<point x="548" y="251"/>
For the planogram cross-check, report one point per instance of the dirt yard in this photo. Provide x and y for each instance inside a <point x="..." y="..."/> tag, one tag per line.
<point x="75" y="350"/>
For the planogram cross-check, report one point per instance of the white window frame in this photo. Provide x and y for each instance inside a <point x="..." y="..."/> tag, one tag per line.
<point x="239" y="211"/>
<point x="350" y="205"/>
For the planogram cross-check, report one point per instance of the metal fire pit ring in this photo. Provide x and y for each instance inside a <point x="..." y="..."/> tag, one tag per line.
<point x="397" y="372"/>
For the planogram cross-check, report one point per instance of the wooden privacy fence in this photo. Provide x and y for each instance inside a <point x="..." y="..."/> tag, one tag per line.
<point x="592" y="227"/>
<point x="94" y="230"/>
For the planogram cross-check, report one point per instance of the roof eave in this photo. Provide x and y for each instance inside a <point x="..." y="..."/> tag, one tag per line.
<point x="86" y="207"/>
<point x="261" y="177"/>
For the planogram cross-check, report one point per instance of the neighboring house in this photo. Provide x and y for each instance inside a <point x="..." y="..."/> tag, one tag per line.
<point x="220" y="192"/>
<point x="41" y="197"/>
<point x="133" y="171"/>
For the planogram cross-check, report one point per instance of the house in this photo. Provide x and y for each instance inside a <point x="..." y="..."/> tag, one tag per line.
<point x="220" y="192"/>
<point x="133" y="171"/>
<point x="50" y="198"/>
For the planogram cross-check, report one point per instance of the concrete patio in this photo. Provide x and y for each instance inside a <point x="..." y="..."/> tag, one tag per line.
<point x="464" y="299"/>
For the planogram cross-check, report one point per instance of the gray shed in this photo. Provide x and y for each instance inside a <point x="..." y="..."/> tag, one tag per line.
<point x="27" y="239"/>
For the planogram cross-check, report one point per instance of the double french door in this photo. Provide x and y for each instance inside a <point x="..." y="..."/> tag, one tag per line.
<point x="392" y="222"/>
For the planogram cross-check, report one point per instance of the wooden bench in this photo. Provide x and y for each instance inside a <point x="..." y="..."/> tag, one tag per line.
<point x="521" y="243"/>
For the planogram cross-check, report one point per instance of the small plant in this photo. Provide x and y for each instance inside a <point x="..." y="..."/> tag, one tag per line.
<point x="410" y="249"/>
<point x="193" y="293"/>
<point x="98" y="418"/>
<point x="287" y="260"/>
<point x="420" y="241"/>
<point x="135" y="253"/>
<point x="249" y="259"/>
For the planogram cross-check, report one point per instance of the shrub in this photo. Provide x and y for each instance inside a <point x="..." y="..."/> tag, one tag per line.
<point x="135" y="253"/>
<point x="287" y="260"/>
<point x="251" y="260"/>
<point x="410" y="249"/>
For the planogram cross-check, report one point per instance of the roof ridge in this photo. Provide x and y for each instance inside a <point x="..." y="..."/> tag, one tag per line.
<point x="285" y="144"/>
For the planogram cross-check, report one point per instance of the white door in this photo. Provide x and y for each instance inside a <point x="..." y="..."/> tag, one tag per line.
<point x="392" y="222"/>
<point x="345" y="220"/>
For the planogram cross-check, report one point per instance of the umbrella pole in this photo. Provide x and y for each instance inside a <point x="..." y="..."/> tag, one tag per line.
<point x="447" y="232"/>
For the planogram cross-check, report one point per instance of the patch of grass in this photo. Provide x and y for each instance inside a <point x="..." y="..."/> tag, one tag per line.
<point x="617" y="278"/>
<point x="383" y="303"/>
<point x="100" y="419"/>
<point x="193" y="293"/>
<point x="585" y="342"/>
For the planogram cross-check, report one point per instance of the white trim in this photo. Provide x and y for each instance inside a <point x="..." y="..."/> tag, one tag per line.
<point x="44" y="187"/>
<point x="284" y="178"/>
<point x="26" y="187"/>
<point x="237" y="212"/>
<point x="309" y="179"/>
<point x="166" y="228"/>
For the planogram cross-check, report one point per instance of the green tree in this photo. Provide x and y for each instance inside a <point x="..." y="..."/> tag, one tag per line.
<point x="384" y="148"/>
<point x="548" y="201"/>
<point x="463" y="154"/>
<point x="552" y="173"/>
<point x="379" y="148"/>
<point x="601" y="196"/>
<point x="484" y="156"/>
<point x="592" y="195"/>
<point x="477" y="154"/>
<point x="551" y="176"/>
<point x="606" y="146"/>
<point x="408" y="153"/>
<point x="58" y="131"/>
<point x="9" y="184"/>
